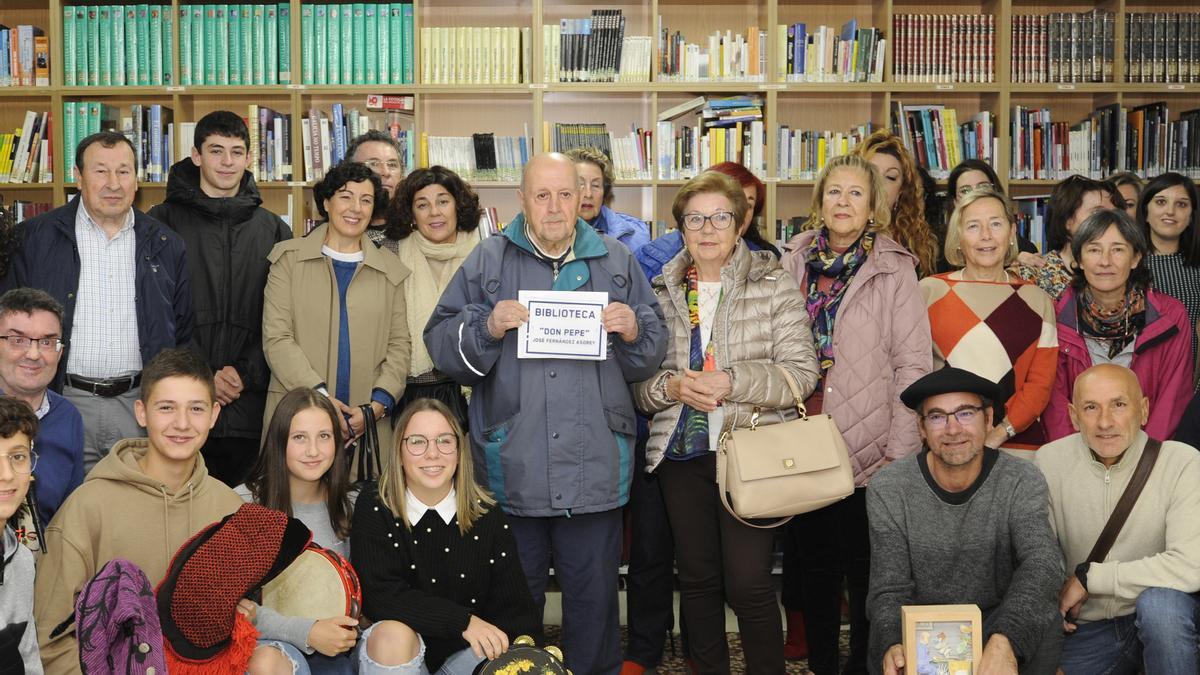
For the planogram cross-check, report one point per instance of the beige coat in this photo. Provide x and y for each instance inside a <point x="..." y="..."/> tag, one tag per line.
<point x="761" y="327"/>
<point x="300" y="323"/>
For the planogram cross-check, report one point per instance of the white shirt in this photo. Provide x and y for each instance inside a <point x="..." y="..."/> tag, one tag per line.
<point x="415" y="509"/>
<point x="104" y="333"/>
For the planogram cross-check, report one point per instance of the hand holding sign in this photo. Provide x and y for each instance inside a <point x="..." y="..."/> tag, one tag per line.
<point x="505" y="316"/>
<point x="568" y="325"/>
<point x="619" y="318"/>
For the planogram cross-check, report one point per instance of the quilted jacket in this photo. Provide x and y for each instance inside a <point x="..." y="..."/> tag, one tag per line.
<point x="881" y="344"/>
<point x="760" y="327"/>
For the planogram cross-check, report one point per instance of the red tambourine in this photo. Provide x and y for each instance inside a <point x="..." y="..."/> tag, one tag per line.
<point x="319" y="584"/>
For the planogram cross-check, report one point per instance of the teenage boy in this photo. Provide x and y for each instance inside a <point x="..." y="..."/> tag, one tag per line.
<point x="141" y="502"/>
<point x="214" y="206"/>
<point x="18" y="638"/>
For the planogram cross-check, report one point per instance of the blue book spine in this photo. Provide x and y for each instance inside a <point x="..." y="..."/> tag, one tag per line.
<point x="339" y="134"/>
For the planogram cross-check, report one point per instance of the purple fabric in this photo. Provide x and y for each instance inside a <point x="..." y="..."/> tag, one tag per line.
<point x="116" y="623"/>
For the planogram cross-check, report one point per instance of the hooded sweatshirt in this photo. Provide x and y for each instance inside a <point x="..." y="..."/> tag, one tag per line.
<point x="118" y="512"/>
<point x="18" y="639"/>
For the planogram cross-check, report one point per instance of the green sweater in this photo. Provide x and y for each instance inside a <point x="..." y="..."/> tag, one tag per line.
<point x="989" y="545"/>
<point x="1159" y="546"/>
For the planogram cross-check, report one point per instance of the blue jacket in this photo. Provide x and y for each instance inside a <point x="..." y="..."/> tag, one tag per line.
<point x="59" y="446"/>
<point x="659" y="252"/>
<point x="47" y="257"/>
<point x="632" y="232"/>
<point x="550" y="437"/>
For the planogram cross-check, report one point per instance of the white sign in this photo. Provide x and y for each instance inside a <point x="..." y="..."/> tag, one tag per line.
<point x="562" y="325"/>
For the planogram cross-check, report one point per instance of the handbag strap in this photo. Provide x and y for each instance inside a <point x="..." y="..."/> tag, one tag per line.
<point x="723" y="460"/>
<point x="368" y="447"/>
<point x="1116" y="520"/>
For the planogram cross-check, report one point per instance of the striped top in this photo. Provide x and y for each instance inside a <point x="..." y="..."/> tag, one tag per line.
<point x="1004" y="331"/>
<point x="1175" y="279"/>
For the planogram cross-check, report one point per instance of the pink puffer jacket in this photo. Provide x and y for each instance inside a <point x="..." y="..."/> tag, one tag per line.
<point x="881" y="344"/>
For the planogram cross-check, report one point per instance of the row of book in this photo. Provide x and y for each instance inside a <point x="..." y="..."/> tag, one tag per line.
<point x="802" y="154"/>
<point x="24" y="57"/>
<point x="938" y="141"/>
<point x="118" y="45"/>
<point x="1112" y="138"/>
<point x="357" y="43"/>
<point x="475" y="55"/>
<point x="589" y="49"/>
<point x="150" y="128"/>
<point x="634" y="56"/>
<point x="944" y="47"/>
<point x="482" y="157"/>
<point x="722" y="57"/>
<point x="23" y="209"/>
<point x="824" y="54"/>
<point x="327" y="136"/>
<point x="629" y="155"/>
<point x="25" y="153"/>
<point x="1063" y="47"/>
<point x="686" y="151"/>
<point x="235" y="44"/>
<point x="1162" y="47"/>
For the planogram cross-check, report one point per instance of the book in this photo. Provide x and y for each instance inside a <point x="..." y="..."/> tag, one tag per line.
<point x="70" y="45"/>
<point x="284" y="42"/>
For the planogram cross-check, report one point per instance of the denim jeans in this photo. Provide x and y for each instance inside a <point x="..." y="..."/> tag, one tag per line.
<point x="315" y="663"/>
<point x="1162" y="632"/>
<point x="462" y="662"/>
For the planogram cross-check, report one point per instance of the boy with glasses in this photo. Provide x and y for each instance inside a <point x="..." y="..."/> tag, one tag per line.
<point x="18" y="637"/>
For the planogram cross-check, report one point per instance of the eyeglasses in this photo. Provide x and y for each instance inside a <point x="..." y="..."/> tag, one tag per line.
<point x="418" y="445"/>
<point x="22" y="462"/>
<point x="378" y="166"/>
<point x="964" y="415"/>
<point x="719" y="220"/>
<point x="20" y="343"/>
<point x="968" y="189"/>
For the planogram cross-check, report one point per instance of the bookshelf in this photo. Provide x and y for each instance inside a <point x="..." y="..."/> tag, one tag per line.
<point x="523" y="108"/>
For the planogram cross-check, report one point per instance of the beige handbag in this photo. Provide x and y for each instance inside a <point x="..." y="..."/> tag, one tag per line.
<point x="784" y="469"/>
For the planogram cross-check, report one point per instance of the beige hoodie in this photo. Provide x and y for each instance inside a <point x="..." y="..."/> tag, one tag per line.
<point x="118" y="512"/>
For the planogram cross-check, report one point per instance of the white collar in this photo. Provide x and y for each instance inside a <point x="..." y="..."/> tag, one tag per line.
<point x="416" y="509"/>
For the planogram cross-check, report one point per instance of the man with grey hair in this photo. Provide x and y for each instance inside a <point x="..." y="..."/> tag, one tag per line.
<point x="381" y="153"/>
<point x="553" y="438"/>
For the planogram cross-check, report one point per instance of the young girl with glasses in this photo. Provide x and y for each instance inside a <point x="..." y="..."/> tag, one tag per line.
<point x="438" y="564"/>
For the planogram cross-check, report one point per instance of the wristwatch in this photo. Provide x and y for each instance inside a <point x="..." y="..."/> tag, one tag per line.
<point x="1081" y="571"/>
<point x="1008" y="429"/>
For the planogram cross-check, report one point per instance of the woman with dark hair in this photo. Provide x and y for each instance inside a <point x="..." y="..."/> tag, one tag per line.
<point x="433" y="224"/>
<point x="1071" y="202"/>
<point x="1110" y="314"/>
<point x="1167" y="214"/>
<point x="660" y="251"/>
<point x="334" y="309"/>
<point x="301" y="471"/>
<point x="905" y="197"/>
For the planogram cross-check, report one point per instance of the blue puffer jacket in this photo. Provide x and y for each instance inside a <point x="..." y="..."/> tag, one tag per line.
<point x="624" y="228"/>
<point x="47" y="257"/>
<point x="657" y="253"/>
<point x="550" y="437"/>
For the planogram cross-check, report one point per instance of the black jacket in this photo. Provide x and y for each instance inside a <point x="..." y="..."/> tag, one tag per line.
<point x="47" y="257"/>
<point x="227" y="240"/>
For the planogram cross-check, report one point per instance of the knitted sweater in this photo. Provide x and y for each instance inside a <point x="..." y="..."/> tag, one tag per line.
<point x="989" y="545"/>
<point x="1159" y="546"/>
<point x="59" y="446"/>
<point x="433" y="579"/>
<point x="1005" y="332"/>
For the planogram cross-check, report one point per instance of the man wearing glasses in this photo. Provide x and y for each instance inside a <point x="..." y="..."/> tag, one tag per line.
<point x="961" y="523"/>
<point x="381" y="153"/>
<point x="31" y="332"/>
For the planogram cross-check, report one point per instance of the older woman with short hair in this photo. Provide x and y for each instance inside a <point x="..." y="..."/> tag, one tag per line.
<point x="738" y="331"/>
<point x="989" y="321"/>
<point x="1110" y="314"/>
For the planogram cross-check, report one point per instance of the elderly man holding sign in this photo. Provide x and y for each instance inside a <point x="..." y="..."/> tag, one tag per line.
<point x="551" y="419"/>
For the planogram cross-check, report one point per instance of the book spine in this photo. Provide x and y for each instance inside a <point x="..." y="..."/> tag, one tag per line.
<point x="198" y="48"/>
<point x="383" y="51"/>
<point x="154" y="31"/>
<point x="246" y="21"/>
<point x="168" y="44"/>
<point x="233" y="43"/>
<point x="349" y="45"/>
<point x="407" y="31"/>
<point x="93" y="46"/>
<point x="212" y="27"/>
<point x="41" y="60"/>
<point x="271" y="46"/>
<point x="220" y="49"/>
<point x="308" y="55"/>
<point x="69" y="46"/>
<point x="400" y="44"/>
<point x="371" y="31"/>
<point x="285" y="44"/>
<point x="106" y="45"/>
<point x="259" y="44"/>
<point x="358" y="59"/>
<point x="117" y="70"/>
<point x="320" y="44"/>
<point x="335" y="44"/>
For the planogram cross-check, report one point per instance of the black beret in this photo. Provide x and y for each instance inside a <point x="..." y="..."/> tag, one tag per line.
<point x="951" y="380"/>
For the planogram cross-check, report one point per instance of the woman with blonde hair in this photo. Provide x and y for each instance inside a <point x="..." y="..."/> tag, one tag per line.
<point x="438" y="563"/>
<point x="905" y="197"/>
<point x="872" y="339"/>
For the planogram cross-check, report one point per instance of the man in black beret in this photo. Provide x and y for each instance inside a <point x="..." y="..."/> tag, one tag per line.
<point x="961" y="523"/>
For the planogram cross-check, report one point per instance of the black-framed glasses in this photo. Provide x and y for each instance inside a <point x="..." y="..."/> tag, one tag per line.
<point x="21" y="343"/>
<point x="378" y="165"/>
<point x="22" y="461"/>
<point x="965" y="415"/>
<point x="720" y="220"/>
<point x="418" y="445"/>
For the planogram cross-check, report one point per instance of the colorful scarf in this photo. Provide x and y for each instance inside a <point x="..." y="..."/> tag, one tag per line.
<point x="823" y="261"/>
<point x="690" y="438"/>
<point x="1118" y="326"/>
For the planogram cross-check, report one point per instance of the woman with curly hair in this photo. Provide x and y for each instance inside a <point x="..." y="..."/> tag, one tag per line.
<point x="432" y="226"/>
<point x="905" y="197"/>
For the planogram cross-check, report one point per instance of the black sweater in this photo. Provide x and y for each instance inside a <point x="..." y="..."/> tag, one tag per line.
<point x="432" y="578"/>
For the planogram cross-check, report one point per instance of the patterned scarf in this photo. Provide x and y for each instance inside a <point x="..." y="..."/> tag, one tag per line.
<point x="823" y="261"/>
<point x="1118" y="326"/>
<point x="690" y="438"/>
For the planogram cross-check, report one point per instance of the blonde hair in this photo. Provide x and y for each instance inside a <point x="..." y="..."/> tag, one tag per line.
<point x="908" y="226"/>
<point x="711" y="182"/>
<point x="880" y="217"/>
<point x="472" y="501"/>
<point x="953" y="249"/>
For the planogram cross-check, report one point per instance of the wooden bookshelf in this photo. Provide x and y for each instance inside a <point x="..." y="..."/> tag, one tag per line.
<point x="506" y="109"/>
